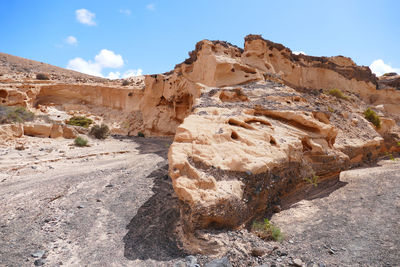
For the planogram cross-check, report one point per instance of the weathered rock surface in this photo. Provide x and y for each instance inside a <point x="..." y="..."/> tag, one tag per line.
<point x="264" y="125"/>
<point x="252" y="126"/>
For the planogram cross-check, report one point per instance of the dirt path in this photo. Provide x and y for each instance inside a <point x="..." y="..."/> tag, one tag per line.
<point x="85" y="209"/>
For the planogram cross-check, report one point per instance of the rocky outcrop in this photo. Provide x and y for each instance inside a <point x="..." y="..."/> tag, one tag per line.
<point x="252" y="126"/>
<point x="265" y="126"/>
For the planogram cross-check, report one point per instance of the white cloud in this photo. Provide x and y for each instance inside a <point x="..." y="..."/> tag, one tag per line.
<point x="379" y="67"/>
<point x="108" y="59"/>
<point x="132" y="73"/>
<point x="84" y="66"/>
<point x="114" y="75"/>
<point x="299" y="52"/>
<point x="105" y="59"/>
<point x="151" y="7"/>
<point x="84" y="16"/>
<point x="126" y="74"/>
<point x="125" y="11"/>
<point x="71" y="40"/>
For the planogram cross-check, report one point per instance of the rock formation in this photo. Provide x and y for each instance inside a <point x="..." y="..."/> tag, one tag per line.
<point x="265" y="124"/>
<point x="252" y="126"/>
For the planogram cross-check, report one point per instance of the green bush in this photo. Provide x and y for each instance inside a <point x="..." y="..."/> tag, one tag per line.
<point x="80" y="121"/>
<point x="266" y="230"/>
<point x="338" y="94"/>
<point x="42" y="76"/>
<point x="125" y="83"/>
<point x="80" y="141"/>
<point x="140" y="134"/>
<point x="313" y="180"/>
<point x="14" y="114"/>
<point x="371" y="116"/>
<point x="100" y="131"/>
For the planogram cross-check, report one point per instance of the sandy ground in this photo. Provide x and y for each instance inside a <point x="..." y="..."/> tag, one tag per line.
<point x="112" y="204"/>
<point x="77" y="203"/>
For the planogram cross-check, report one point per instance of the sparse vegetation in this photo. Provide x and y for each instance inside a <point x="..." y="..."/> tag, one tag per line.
<point x="100" y="131"/>
<point x="371" y="116"/>
<point x="42" y="76"/>
<point x="140" y="134"/>
<point x="398" y="143"/>
<point x="125" y="83"/>
<point x="338" y="94"/>
<point x="330" y="109"/>
<point x="80" y="121"/>
<point x="80" y="141"/>
<point x="313" y="180"/>
<point x="14" y="114"/>
<point x="390" y="155"/>
<point x="267" y="231"/>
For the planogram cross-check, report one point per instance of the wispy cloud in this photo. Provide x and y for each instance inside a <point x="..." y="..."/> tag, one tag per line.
<point x="84" y="16"/>
<point x="105" y="59"/>
<point x="379" y="67"/>
<point x="151" y="7"/>
<point x="71" y="40"/>
<point x="126" y="74"/>
<point x="125" y="12"/>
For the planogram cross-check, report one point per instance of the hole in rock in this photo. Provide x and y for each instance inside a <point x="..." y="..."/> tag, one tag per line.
<point x="3" y="94"/>
<point x="306" y="145"/>
<point x="272" y="141"/>
<point x="234" y="136"/>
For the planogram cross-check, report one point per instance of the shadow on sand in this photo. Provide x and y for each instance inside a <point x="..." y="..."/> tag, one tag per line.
<point x="151" y="231"/>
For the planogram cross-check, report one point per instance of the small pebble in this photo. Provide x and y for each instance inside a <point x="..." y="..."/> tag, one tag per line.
<point x="39" y="262"/>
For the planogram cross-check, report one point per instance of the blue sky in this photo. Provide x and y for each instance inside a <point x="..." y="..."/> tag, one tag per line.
<point x="126" y="37"/>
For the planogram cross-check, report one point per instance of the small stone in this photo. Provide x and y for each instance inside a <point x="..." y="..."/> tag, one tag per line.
<point x="39" y="262"/>
<point x="331" y="251"/>
<point x="298" y="262"/>
<point x="38" y="254"/>
<point x="248" y="173"/>
<point x="98" y="200"/>
<point x="291" y="241"/>
<point x="223" y="262"/>
<point x="258" y="252"/>
<point x="179" y="264"/>
<point x="81" y="206"/>
<point x="109" y="185"/>
<point x="191" y="261"/>
<point x="321" y="265"/>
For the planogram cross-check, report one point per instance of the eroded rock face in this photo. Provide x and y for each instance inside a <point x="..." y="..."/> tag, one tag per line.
<point x="264" y="126"/>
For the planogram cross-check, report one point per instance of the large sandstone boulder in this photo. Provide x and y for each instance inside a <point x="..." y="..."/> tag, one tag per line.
<point x="263" y="126"/>
<point x="37" y="129"/>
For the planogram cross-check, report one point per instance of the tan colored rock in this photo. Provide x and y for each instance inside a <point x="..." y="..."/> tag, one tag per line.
<point x="69" y="132"/>
<point x="387" y="125"/>
<point x="228" y="162"/>
<point x="37" y="130"/>
<point x="56" y="131"/>
<point x="10" y="131"/>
